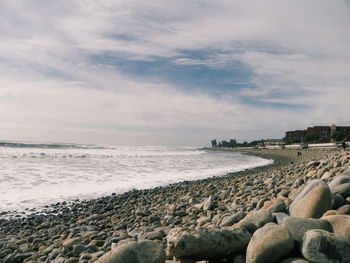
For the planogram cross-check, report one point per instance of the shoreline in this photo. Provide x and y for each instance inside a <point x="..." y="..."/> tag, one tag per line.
<point x="151" y="213"/>
<point x="279" y="158"/>
<point x="45" y="209"/>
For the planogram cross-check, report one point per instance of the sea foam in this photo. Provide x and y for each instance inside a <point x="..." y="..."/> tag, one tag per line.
<point x="31" y="177"/>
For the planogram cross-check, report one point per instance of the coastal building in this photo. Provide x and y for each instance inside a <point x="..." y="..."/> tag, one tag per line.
<point x="318" y="134"/>
<point x="296" y="136"/>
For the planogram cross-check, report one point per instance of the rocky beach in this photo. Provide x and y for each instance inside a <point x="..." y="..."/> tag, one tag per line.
<point x="295" y="210"/>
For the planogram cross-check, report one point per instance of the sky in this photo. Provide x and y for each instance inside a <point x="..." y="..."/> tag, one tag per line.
<point x="135" y="72"/>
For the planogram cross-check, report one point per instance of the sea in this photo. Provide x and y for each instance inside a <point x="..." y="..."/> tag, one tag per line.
<point x="33" y="175"/>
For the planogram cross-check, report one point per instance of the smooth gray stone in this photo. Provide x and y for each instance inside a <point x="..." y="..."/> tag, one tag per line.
<point x="297" y="227"/>
<point x="324" y="247"/>
<point x="203" y="244"/>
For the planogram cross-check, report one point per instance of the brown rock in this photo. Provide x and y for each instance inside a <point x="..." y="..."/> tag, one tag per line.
<point x="313" y="201"/>
<point x="340" y="224"/>
<point x="269" y="244"/>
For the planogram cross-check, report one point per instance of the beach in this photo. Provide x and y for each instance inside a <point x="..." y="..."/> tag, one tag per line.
<point x="173" y="220"/>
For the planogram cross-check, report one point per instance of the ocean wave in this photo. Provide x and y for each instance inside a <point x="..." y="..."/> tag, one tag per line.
<point x="13" y="144"/>
<point x="34" y="177"/>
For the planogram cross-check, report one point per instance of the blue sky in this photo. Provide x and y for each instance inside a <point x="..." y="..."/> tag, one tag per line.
<point x="171" y="73"/>
<point x="188" y="71"/>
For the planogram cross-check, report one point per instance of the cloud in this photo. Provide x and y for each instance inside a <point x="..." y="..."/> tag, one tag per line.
<point x="181" y="72"/>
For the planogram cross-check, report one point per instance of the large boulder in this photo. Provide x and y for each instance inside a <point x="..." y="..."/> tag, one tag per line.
<point x="270" y="243"/>
<point x="135" y="252"/>
<point x="297" y="227"/>
<point x="256" y="219"/>
<point x="313" y="201"/>
<point x="320" y="246"/>
<point x="204" y="243"/>
<point x="340" y="224"/>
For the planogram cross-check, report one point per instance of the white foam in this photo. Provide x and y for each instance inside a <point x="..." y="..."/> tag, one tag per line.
<point x="34" y="177"/>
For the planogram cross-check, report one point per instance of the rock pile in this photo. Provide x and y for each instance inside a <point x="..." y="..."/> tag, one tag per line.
<point x="295" y="211"/>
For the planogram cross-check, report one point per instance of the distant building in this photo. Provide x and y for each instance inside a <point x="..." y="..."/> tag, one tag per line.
<point x="296" y="136"/>
<point x="319" y="134"/>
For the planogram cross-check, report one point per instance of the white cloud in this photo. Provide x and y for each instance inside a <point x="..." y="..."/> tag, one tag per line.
<point x="50" y="89"/>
